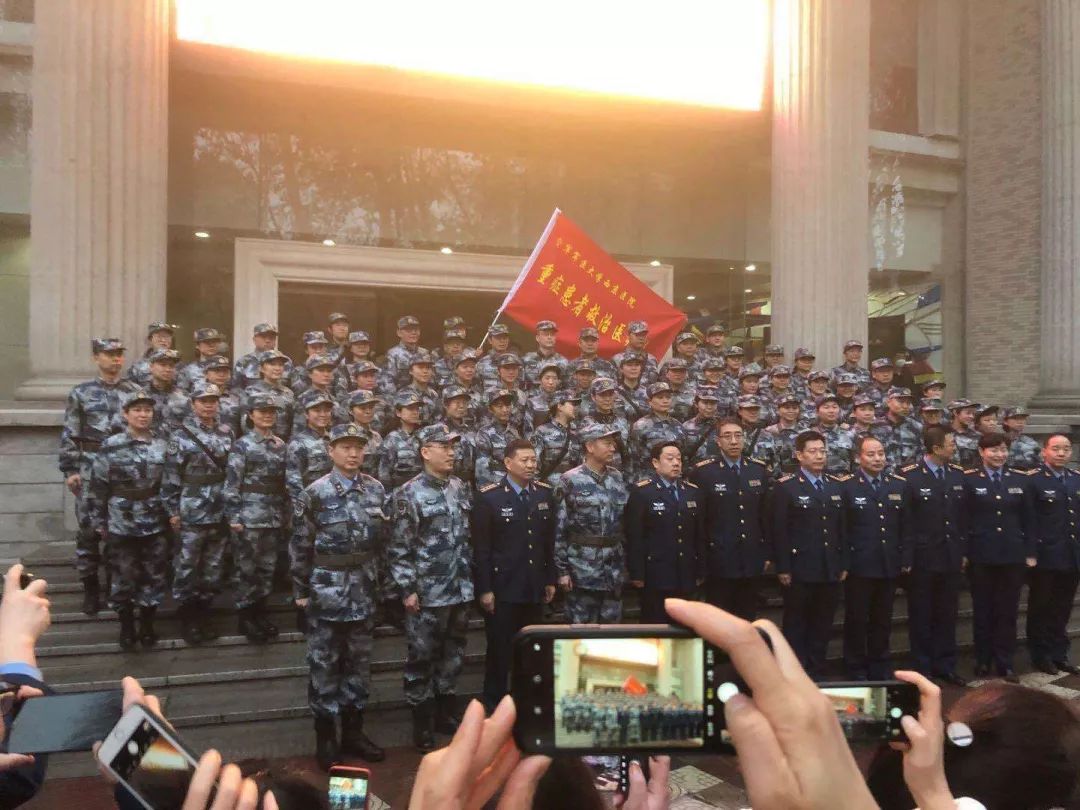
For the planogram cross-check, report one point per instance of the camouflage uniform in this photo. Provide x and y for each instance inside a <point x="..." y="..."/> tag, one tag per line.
<point x="537" y="411"/>
<point x="92" y="415"/>
<point x="339" y="415"/>
<point x="491" y="441"/>
<point x="125" y="482"/>
<point x="616" y="422"/>
<point x="430" y="402"/>
<point x="338" y="535"/>
<point x="286" y="404"/>
<point x="139" y="373"/>
<point x="863" y="375"/>
<point x="535" y="363"/>
<point x="650" y="370"/>
<point x="632" y="403"/>
<point x="589" y="542"/>
<point x="783" y="440"/>
<point x="760" y="444"/>
<point x="647" y="431"/>
<point x="1024" y="452"/>
<point x="307" y="459"/>
<point x="699" y="432"/>
<point x="429" y="555"/>
<point x="966" y="454"/>
<point x="682" y="403"/>
<point x="165" y="405"/>
<point x="191" y="373"/>
<point x="255" y="497"/>
<point x="550" y="439"/>
<point x="192" y="490"/>
<point x="839" y="443"/>
<point x="902" y="442"/>
<point x="399" y="458"/>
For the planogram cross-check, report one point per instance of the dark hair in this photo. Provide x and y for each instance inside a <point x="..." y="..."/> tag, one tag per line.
<point x="992" y="440"/>
<point x="569" y="782"/>
<point x="805" y="438"/>
<point x="515" y="445"/>
<point x="659" y="447"/>
<point x="861" y="441"/>
<point x="1046" y="440"/>
<point x="934" y="436"/>
<point x="1025" y="753"/>
<point x="728" y="421"/>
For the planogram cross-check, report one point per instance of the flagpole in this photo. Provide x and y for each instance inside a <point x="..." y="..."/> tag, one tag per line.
<point x="521" y="276"/>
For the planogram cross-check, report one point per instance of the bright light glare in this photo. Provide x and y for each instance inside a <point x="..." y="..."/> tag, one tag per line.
<point x="702" y="52"/>
<point x="750" y="268"/>
<point x="691" y="298"/>
<point x="202" y="235"/>
<point x="654" y="263"/>
<point x="630" y="650"/>
<point x="329" y="242"/>
<point x="446" y="251"/>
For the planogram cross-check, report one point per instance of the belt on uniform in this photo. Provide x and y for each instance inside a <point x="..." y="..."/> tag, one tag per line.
<point x="598" y="540"/>
<point x="343" y="562"/>
<point x="204" y="478"/>
<point x="89" y="445"/>
<point x="275" y="486"/>
<point x="136" y="493"/>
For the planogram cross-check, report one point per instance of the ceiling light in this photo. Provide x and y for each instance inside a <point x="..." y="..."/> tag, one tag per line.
<point x="202" y="235"/>
<point x="329" y="242"/>
<point x="747" y="290"/>
<point x="654" y="263"/>
<point x="691" y="298"/>
<point x="750" y="268"/>
<point x="446" y="250"/>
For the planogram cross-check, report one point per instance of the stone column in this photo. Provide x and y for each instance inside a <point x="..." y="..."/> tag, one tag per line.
<point x="820" y="184"/>
<point x="1059" y="380"/>
<point x="98" y="215"/>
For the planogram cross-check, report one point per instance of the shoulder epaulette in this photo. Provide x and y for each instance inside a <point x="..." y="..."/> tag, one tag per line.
<point x="543" y="484"/>
<point x="784" y="478"/>
<point x="691" y="484"/>
<point x="972" y="471"/>
<point x="909" y="468"/>
<point x="488" y="487"/>
<point x="643" y="482"/>
<point x="840" y="476"/>
<point x="898" y="477"/>
<point x="1026" y="472"/>
<point x="757" y="461"/>
<point x="956" y="467"/>
<point x="703" y="462"/>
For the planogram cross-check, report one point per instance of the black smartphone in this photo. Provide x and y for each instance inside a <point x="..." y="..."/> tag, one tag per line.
<point x="870" y="711"/>
<point x="55" y="723"/>
<point x="613" y="688"/>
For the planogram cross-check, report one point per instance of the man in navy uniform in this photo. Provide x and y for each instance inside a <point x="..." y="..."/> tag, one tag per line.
<point x="811" y="550"/>
<point x="1000" y="546"/>
<point x="513" y="532"/>
<point x="876" y="510"/>
<point x="733" y="488"/>
<point x="1054" y="491"/>
<point x="936" y="538"/>
<point x="664" y="533"/>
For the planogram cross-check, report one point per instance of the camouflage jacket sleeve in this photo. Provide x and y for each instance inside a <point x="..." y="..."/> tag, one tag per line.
<point x="234" y="477"/>
<point x="171" y="485"/>
<point x="69" y="448"/>
<point x="302" y="545"/>
<point x="386" y="462"/>
<point x="400" y="548"/>
<point x="562" y="566"/>
<point x="98" y="502"/>
<point x="295" y="462"/>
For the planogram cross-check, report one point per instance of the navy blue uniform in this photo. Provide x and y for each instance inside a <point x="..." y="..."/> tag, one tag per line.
<point x="663" y="540"/>
<point x="876" y="511"/>
<point x="936" y="538"/>
<point x="811" y="546"/>
<point x="1055" y="515"/>
<point x="999" y="541"/>
<point x="514" y="558"/>
<point x="737" y="539"/>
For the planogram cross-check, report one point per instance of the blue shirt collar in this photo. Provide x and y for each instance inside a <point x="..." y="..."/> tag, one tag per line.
<point x="513" y="485"/>
<point x="991" y="473"/>
<point x="813" y="479"/>
<point x="931" y="465"/>
<point x="346" y="482"/>
<point x="870" y="479"/>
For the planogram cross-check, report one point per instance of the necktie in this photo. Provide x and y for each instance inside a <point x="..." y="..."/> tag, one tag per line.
<point x="875" y="484"/>
<point x="819" y="486"/>
<point x="674" y="491"/>
<point x="524" y="496"/>
<point x="940" y="474"/>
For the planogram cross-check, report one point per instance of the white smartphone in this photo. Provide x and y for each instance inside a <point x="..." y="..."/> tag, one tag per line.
<point x="147" y="757"/>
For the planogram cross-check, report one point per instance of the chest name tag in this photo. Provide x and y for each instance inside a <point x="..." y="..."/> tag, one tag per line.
<point x="691" y="504"/>
<point x="894" y="497"/>
<point x="1016" y="491"/>
<point x="958" y="488"/>
<point x="835" y="497"/>
<point x="542" y="506"/>
<point x="754" y="483"/>
<point x="980" y="490"/>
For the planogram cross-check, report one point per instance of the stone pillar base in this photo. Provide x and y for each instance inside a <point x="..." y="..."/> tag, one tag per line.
<point x="48" y="388"/>
<point x="1063" y="402"/>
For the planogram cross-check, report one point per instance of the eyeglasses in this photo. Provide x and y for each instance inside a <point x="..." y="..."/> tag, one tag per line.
<point x="732" y="435"/>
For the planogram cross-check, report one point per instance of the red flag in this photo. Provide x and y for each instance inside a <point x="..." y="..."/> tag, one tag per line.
<point x="632" y="686"/>
<point x="569" y="279"/>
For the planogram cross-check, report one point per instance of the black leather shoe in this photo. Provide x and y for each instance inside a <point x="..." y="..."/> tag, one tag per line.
<point x="447" y="716"/>
<point x="353" y="739"/>
<point x="423" y="735"/>
<point x="147" y="637"/>
<point x="1044" y="665"/>
<point x="262" y="618"/>
<point x="1065" y="666"/>
<point x="202" y="617"/>
<point x="91" y="602"/>
<point x="326" y="743"/>
<point x="249" y="627"/>
<point x="189" y="628"/>
<point x="127" y="629"/>
<point x="951" y="678"/>
<point x="982" y="670"/>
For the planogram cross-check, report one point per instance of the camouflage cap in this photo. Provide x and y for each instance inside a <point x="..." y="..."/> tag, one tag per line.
<point x="590" y="430"/>
<point x="408" y="322"/>
<point x="1015" y="413"/>
<point x="960" y="404"/>
<point x="817" y="375"/>
<point x="454" y="334"/>
<point x="847" y="378"/>
<point x="264" y="329"/>
<point x="507" y="359"/>
<point x="547" y="326"/>
<point x="749" y="401"/>
<point x="658" y="388"/>
<point x="707" y="392"/>
<point x="565" y="395"/>
<point x="319" y="361"/>
<point x="161" y="326"/>
<point x="222" y="348"/>
<point x="780" y="370"/>
<point x="208" y="334"/>
<point x="337" y="316"/>
<point x="455" y="392"/>
<point x="364" y="367"/>
<point x="349" y="431"/>
<point x="674" y="364"/>
<point x="684" y="336"/>
<point x="312" y="338"/>
<point x="631" y="356"/>
<point x="360" y="336"/>
<point x="749" y="372"/>
<point x="930" y="404"/>
<point x="404" y="399"/>
<point x="313" y="397"/>
<point x="361" y="396"/>
<point x="934" y="384"/>
<point x="453" y="322"/>
<point x="588" y="333"/>
<point x="165" y="356"/>
<point x="983" y="410"/>
<point x="206" y="390"/>
<point x="495" y="394"/>
<point x="712" y="363"/>
<point x="790" y="398"/>
<point x="602" y="385"/>
<point x="550" y="365"/>
<point x="821" y="400"/>
<point x="882" y="362"/>
<point x="734" y="351"/>
<point x="137" y="395"/>
<point x="717" y="328"/>
<point x="581" y="364"/>
<point x="466" y="356"/>
<point x="863" y="399"/>
<point x="498" y="329"/>
<point x="263" y="401"/>
<point x="898" y="392"/>
<point x="853" y="344"/>
<point x="436" y="434"/>
<point x="218" y="361"/>
<point x="421" y="357"/>
<point x="774" y="349"/>
<point x="803" y="352"/>
<point x="638" y="328"/>
<point x="270" y="355"/>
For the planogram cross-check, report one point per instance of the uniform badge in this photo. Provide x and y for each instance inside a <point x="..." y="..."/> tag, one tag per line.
<point x="895" y="497"/>
<point x="804" y="500"/>
<point x="980" y="490"/>
<point x="754" y="482"/>
<point x="298" y="507"/>
<point x="720" y="487"/>
<point x="542" y="506"/>
<point x="835" y="497"/>
<point x="508" y="511"/>
<point x="957" y="487"/>
<point x="1049" y="493"/>
<point x="658" y="506"/>
<point x="691" y="504"/>
<point x="926" y="493"/>
<point x="1016" y="491"/>
<point x="860" y="501"/>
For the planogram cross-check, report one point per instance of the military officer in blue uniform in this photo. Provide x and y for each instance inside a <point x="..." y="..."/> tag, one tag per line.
<point x="513" y="534"/>
<point x="734" y="489"/>
<point x="936" y="539"/>
<point x="876" y="510"/>
<point x="1000" y="546"/>
<point x="664" y="533"/>
<point x="811" y="550"/>
<point x="1054" y="491"/>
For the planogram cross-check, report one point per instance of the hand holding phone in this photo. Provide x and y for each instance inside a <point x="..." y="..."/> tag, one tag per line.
<point x="348" y="788"/>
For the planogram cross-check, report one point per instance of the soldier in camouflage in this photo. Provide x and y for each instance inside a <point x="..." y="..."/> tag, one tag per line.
<point x="772" y="359"/>
<point x="715" y="345"/>
<point x="498" y="344"/>
<point x="545" y="356"/>
<point x="817" y="383"/>
<point x="839" y="439"/>
<point x="399" y="458"/>
<point x="931" y="412"/>
<point x="339" y="530"/>
<point x="456" y="412"/>
<point x="430" y="560"/>
<point x="255" y="509"/>
<point x="453" y="346"/>
<point x="362" y="407"/>
<point x="675" y="373"/>
<point x="399" y="358"/>
<point x="207" y="344"/>
<point x="602" y="396"/>
<point x="1024" y="452"/>
<point x="125" y="483"/>
<point x="864" y="421"/>
<point x="297" y="379"/>
<point x="804" y="364"/>
<point x="192" y="493"/>
<point x="589" y="536"/>
<point x="508" y="378"/>
<point x="168" y="398"/>
<point x="466" y="377"/>
<point x="847" y="387"/>
<point x="557" y="445"/>
<point x="492" y="438"/>
<point x="159" y="335"/>
<point x="659" y="425"/>
<point x="962" y="417"/>
<point x="783" y="433"/>
<point x="582" y="373"/>
<point x="359" y="351"/>
<point x="900" y="435"/>
<point x="733" y="363"/>
<point x="758" y="443"/>
<point x="778" y="385"/>
<point x="589" y="343"/>
<point x="632" y="398"/>
<point x="307" y="457"/>
<point x="702" y="425"/>
<point x="320" y="371"/>
<point x="638" y="338"/>
<point x="246" y="369"/>
<point x="91" y="415"/>
<point x="338" y="333"/>
<point x="882" y="372"/>
<point x="272" y="368"/>
<point x="538" y="407"/>
<point x="421" y="376"/>
<point x="686" y="348"/>
<point x="853" y="350"/>
<point x="366" y="379"/>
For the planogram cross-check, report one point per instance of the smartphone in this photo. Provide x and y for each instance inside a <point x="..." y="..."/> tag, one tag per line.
<point x="348" y="789"/>
<point x="55" y="723"/>
<point x="148" y="758"/>
<point x="612" y="688"/>
<point x="870" y="711"/>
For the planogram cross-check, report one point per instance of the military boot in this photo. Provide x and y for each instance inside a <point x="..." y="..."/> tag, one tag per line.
<point x="422" y="717"/>
<point x="91" y="601"/>
<point x="447" y="716"/>
<point x="249" y="627"/>
<point x="262" y="618"/>
<point x="202" y="617"/>
<point x="127" y="628"/>
<point x="353" y="739"/>
<point x="147" y="637"/>
<point x="326" y="744"/>
<point x="189" y="628"/>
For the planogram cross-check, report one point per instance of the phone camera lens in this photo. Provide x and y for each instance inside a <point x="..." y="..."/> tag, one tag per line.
<point x="537" y="678"/>
<point x="133" y="748"/>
